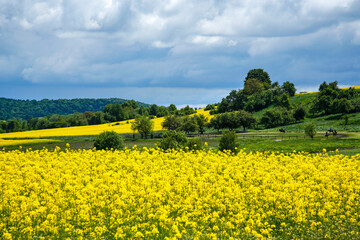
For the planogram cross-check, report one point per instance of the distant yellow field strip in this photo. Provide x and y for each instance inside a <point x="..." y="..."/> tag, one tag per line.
<point x="5" y="142"/>
<point x="304" y="93"/>
<point x="122" y="127"/>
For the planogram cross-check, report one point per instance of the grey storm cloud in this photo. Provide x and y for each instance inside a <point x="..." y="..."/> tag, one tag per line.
<point x="178" y="43"/>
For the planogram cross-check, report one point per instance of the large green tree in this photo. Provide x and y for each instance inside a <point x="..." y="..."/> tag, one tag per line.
<point x="172" y="122"/>
<point x="201" y="121"/>
<point x="310" y="130"/>
<point x="245" y="119"/>
<point x="143" y="125"/>
<point x="261" y="75"/>
<point x="289" y="88"/>
<point x="189" y="125"/>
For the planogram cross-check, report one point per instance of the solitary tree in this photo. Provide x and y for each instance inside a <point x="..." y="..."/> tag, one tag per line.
<point x="310" y="130"/>
<point x="143" y="125"/>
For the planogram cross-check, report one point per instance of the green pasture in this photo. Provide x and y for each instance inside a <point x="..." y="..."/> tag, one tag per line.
<point x="346" y="142"/>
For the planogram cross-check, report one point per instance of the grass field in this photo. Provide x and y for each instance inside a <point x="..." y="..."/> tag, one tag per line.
<point x="251" y="142"/>
<point x="324" y="123"/>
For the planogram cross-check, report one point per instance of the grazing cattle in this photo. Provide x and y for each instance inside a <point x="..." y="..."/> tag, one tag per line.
<point x="282" y="130"/>
<point x="333" y="132"/>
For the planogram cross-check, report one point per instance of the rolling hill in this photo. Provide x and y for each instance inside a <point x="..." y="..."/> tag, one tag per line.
<point x="24" y="109"/>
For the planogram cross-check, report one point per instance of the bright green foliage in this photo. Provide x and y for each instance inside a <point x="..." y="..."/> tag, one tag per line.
<point x="108" y="140"/>
<point x="261" y="75"/>
<point x="189" y="125"/>
<point x="172" y="109"/>
<point x="194" y="144"/>
<point x="253" y="85"/>
<point x="310" y="130"/>
<point x="172" y="122"/>
<point x="289" y="88"/>
<point x="201" y="121"/>
<point x="277" y="117"/>
<point x="143" y="125"/>
<point x="185" y="111"/>
<point x="228" y="142"/>
<point x="283" y="101"/>
<point x="233" y="120"/>
<point x="331" y="99"/>
<point x="246" y="119"/>
<point x="173" y="140"/>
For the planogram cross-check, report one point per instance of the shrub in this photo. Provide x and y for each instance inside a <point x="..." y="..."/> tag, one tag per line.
<point x="228" y="142"/>
<point x="172" y="140"/>
<point x="108" y="140"/>
<point x="194" y="144"/>
<point x="299" y="113"/>
<point x="310" y="130"/>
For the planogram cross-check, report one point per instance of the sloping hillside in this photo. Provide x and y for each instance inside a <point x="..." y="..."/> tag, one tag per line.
<point x="24" y="109"/>
<point x="349" y="122"/>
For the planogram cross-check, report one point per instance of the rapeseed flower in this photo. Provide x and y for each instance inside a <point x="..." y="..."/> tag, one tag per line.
<point x="133" y="193"/>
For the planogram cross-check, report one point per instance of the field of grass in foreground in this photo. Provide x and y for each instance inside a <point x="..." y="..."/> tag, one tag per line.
<point x="252" y="142"/>
<point x="150" y="194"/>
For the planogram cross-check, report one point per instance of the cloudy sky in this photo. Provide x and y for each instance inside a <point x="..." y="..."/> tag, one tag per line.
<point x="173" y="51"/>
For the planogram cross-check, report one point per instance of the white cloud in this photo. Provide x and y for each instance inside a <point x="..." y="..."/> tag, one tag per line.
<point x="174" y="42"/>
<point x="207" y="40"/>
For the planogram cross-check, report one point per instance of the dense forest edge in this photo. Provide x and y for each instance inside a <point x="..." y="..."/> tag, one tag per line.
<point x="12" y="109"/>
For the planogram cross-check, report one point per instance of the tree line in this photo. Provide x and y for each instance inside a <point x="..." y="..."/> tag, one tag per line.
<point x="111" y="113"/>
<point x="332" y="100"/>
<point x="24" y="109"/>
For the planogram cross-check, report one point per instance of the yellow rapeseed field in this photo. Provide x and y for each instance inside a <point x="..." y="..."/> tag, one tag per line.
<point x="122" y="127"/>
<point x="304" y="93"/>
<point x="8" y="142"/>
<point x="150" y="194"/>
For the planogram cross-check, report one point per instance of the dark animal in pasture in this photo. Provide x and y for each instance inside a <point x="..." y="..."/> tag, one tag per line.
<point x="333" y="132"/>
<point x="282" y="130"/>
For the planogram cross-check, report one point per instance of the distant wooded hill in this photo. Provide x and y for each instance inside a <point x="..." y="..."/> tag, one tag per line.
<point x="24" y="109"/>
